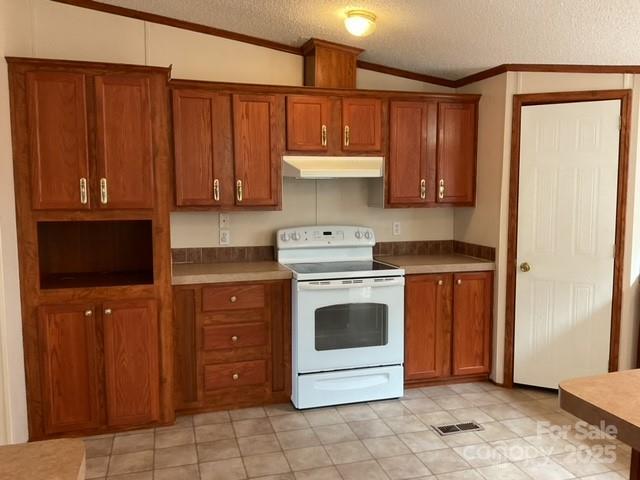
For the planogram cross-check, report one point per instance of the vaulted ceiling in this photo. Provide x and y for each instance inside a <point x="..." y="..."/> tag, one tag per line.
<point x="447" y="38"/>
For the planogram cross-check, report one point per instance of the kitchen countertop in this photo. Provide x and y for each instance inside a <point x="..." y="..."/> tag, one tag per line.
<point x="51" y="459"/>
<point x="413" y="264"/>
<point x="189" y="274"/>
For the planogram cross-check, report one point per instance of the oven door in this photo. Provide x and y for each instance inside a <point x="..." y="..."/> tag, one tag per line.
<point x="342" y="324"/>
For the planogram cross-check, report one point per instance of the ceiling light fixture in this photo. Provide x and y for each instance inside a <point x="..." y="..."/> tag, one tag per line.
<point x="360" y="22"/>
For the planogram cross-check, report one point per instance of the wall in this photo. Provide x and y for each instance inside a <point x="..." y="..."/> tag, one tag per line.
<point x="487" y="224"/>
<point x="14" y="38"/>
<point x="40" y="28"/>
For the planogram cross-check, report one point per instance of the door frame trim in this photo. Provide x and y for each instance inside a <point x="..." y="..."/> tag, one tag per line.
<point x="519" y="101"/>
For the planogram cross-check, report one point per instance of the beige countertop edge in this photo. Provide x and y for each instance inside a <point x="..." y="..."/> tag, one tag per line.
<point x="415" y="264"/>
<point x="190" y="274"/>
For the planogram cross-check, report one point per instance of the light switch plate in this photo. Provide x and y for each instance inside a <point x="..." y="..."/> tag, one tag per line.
<point x="396" y="228"/>
<point x="225" y="237"/>
<point x="223" y="220"/>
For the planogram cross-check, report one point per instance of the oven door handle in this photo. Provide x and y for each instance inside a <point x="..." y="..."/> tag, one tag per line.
<point x="339" y="285"/>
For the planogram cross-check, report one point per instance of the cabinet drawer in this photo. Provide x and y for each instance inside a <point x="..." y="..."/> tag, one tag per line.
<point x="233" y="297"/>
<point x="234" y="336"/>
<point x="235" y="374"/>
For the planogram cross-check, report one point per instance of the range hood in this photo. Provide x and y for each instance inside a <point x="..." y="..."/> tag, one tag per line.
<point x="332" y="167"/>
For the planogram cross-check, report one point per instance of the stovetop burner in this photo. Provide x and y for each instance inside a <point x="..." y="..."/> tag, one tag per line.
<point x="340" y="267"/>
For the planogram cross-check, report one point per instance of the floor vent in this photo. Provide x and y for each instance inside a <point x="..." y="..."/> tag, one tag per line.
<point x="452" y="428"/>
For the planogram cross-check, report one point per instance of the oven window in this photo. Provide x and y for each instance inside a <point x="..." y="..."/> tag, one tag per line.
<point x="351" y="325"/>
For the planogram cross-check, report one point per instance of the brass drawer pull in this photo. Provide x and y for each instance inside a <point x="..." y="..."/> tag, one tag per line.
<point x="347" y="135"/>
<point x="324" y="135"/>
<point x="104" y="195"/>
<point x="440" y="282"/>
<point x="234" y="338"/>
<point x="83" y="191"/>
<point x="88" y="313"/>
<point x="233" y="299"/>
<point x="239" y="190"/>
<point x="459" y="282"/>
<point x="107" y="311"/>
<point x="235" y="376"/>
<point x="216" y="190"/>
<point x="441" y="189"/>
<point x="423" y="189"/>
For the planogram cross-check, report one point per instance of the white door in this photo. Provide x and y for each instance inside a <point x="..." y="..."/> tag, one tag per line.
<point x="566" y="233"/>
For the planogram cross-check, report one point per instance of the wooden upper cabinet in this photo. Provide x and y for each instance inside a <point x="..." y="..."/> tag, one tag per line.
<point x="131" y="362"/>
<point x="412" y="152"/>
<point x="69" y="373"/>
<point x="57" y="124"/>
<point x="203" y="143"/>
<point x="124" y="142"/>
<point x="456" y="166"/>
<point x="308" y="123"/>
<point x="472" y="307"/>
<point x="361" y="125"/>
<point x="427" y="326"/>
<point x="257" y="134"/>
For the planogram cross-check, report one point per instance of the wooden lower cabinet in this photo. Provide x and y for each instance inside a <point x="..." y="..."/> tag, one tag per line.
<point x="448" y="326"/>
<point x="131" y="362"/>
<point x="99" y="365"/>
<point x="69" y="368"/>
<point x="232" y="345"/>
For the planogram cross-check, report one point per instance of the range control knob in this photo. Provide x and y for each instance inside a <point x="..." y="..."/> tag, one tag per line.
<point x="284" y="237"/>
<point x="367" y="235"/>
<point x="358" y="234"/>
<point x="295" y="236"/>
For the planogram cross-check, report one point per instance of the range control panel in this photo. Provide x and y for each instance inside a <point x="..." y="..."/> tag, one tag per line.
<point x="325" y="236"/>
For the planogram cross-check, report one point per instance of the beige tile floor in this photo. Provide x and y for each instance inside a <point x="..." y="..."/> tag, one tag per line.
<point x="369" y="441"/>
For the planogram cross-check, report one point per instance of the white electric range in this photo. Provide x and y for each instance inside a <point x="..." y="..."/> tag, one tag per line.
<point x="348" y="317"/>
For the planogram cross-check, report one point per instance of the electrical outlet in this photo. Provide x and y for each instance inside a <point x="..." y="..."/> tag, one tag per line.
<point x="223" y="220"/>
<point x="225" y="237"/>
<point x="396" y="228"/>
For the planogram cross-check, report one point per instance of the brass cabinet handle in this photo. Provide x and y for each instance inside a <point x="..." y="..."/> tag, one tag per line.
<point x="459" y="282"/>
<point x="233" y="299"/>
<point x="440" y="282"/>
<point x="423" y="189"/>
<point x="235" y="376"/>
<point x="83" y="191"/>
<point x="346" y="135"/>
<point x="104" y="196"/>
<point x="525" y="267"/>
<point x="234" y="339"/>
<point x="107" y="311"/>
<point x="216" y="190"/>
<point x="324" y="135"/>
<point x="441" y="188"/>
<point x="88" y="313"/>
<point x="239" y="190"/>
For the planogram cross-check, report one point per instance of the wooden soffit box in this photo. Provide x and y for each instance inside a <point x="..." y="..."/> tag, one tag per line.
<point x="329" y="65"/>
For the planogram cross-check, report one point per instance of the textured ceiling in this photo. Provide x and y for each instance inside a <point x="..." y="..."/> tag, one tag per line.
<point x="447" y="38"/>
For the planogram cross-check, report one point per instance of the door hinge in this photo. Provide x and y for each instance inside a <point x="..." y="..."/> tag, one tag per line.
<point x="619" y="122"/>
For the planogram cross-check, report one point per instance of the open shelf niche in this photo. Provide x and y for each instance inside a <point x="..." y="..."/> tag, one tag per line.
<point x="77" y="254"/>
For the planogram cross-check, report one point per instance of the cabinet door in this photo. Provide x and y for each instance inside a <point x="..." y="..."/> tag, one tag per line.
<point x="457" y="133"/>
<point x="256" y="135"/>
<point x="69" y="374"/>
<point x="412" y="153"/>
<point x="131" y="362"/>
<point x="202" y="142"/>
<point x="361" y="124"/>
<point x="124" y="144"/>
<point x="57" y="118"/>
<point x="427" y="326"/>
<point x="472" y="307"/>
<point x="307" y="123"/>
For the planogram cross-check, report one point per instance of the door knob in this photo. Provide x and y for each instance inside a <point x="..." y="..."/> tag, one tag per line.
<point x="525" y="267"/>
